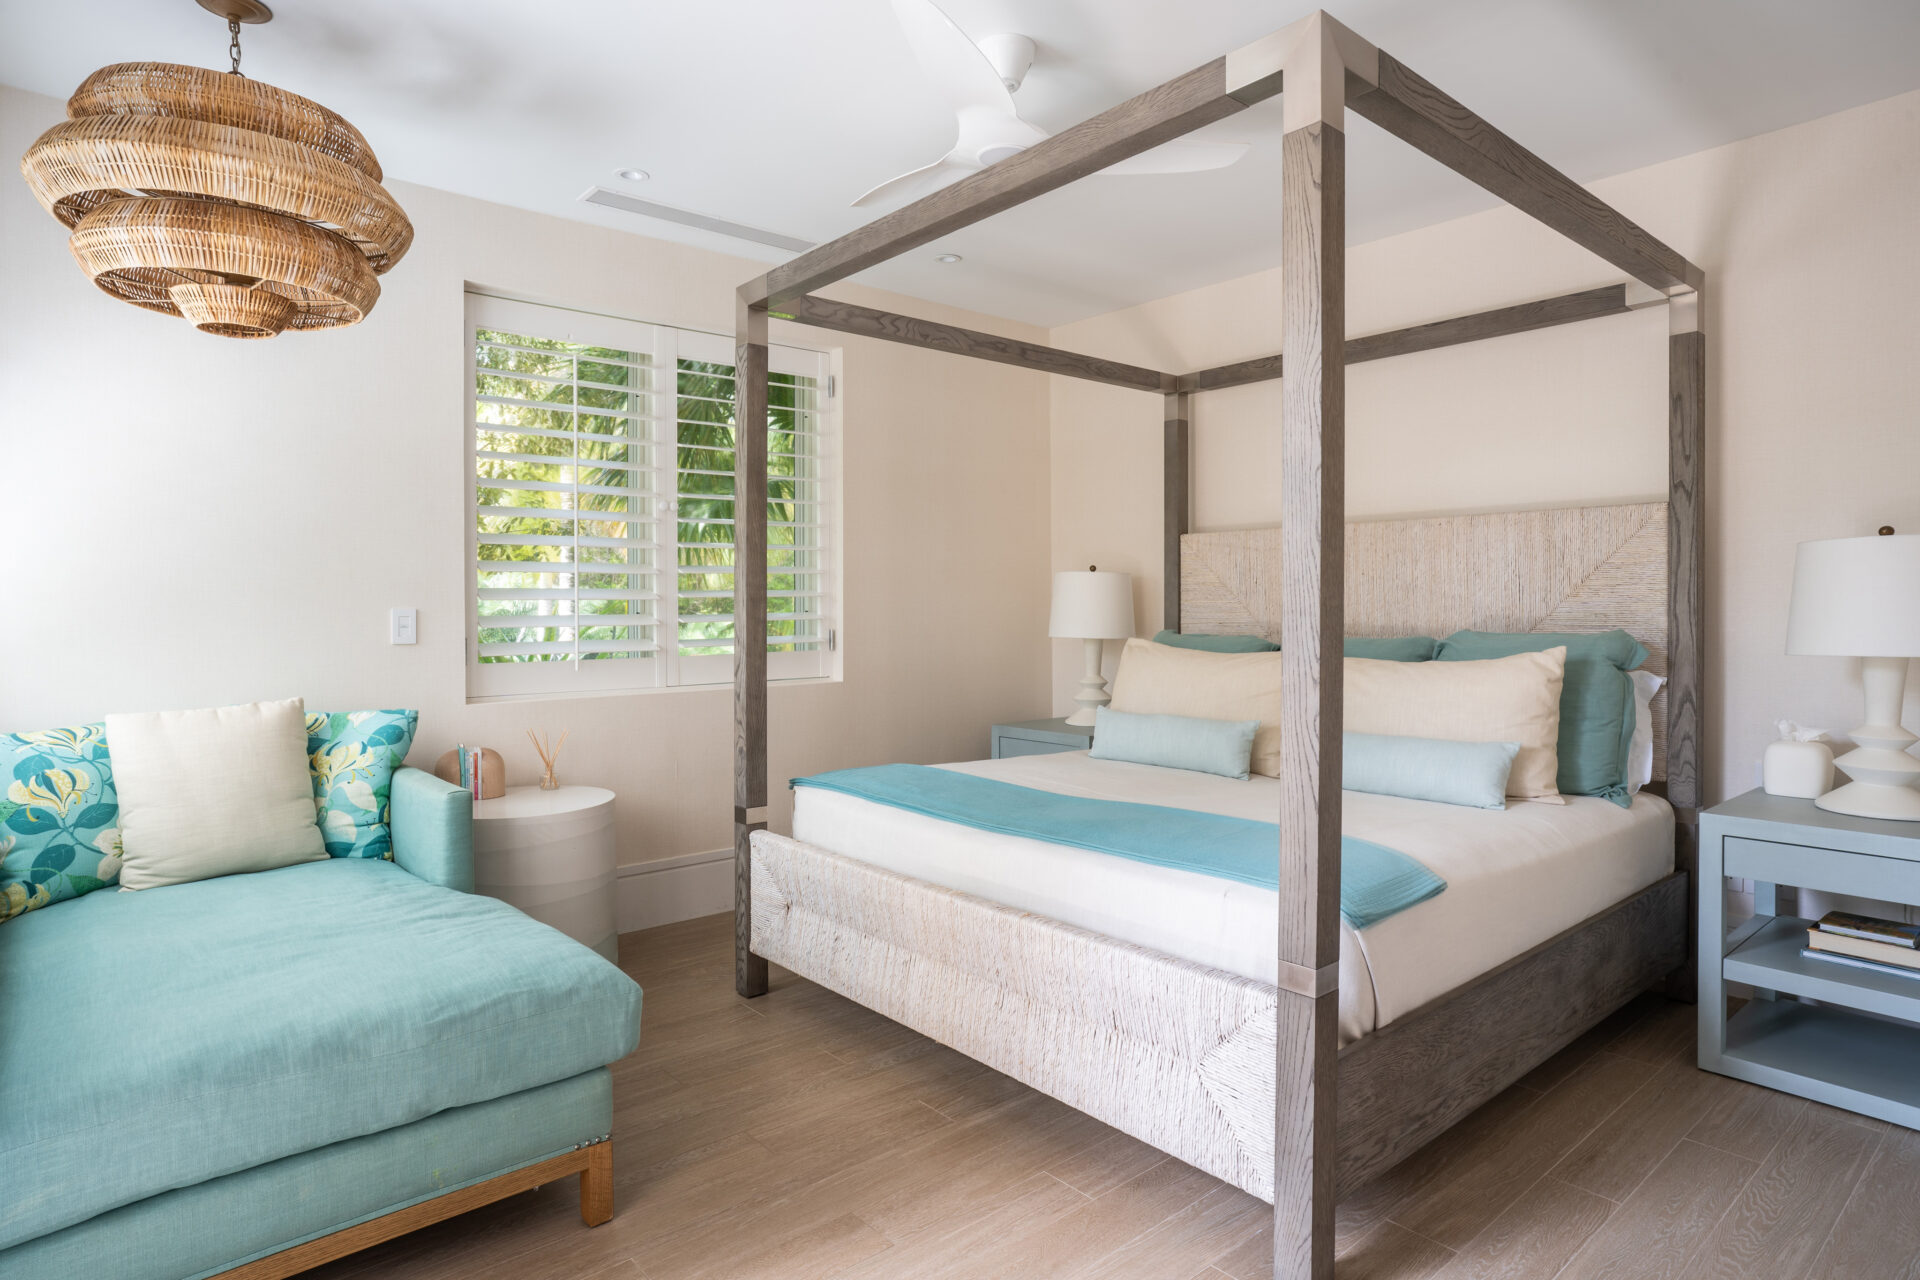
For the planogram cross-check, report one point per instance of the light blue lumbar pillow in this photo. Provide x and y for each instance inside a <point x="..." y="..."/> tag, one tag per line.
<point x="351" y="756"/>
<point x="1217" y="644"/>
<point x="1174" y="742"/>
<point x="1464" y="773"/>
<point x="1596" y="700"/>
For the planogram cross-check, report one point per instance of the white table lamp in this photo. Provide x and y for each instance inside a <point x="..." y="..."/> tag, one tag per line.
<point x="1094" y="606"/>
<point x="1860" y="598"/>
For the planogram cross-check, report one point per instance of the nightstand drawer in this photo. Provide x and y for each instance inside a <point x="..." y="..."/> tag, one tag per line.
<point x="1862" y="875"/>
<point x="1038" y="738"/>
<point x="1003" y="747"/>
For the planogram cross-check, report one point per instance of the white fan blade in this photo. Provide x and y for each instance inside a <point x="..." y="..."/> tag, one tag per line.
<point x="1182" y="155"/>
<point x="950" y="58"/>
<point x="915" y="183"/>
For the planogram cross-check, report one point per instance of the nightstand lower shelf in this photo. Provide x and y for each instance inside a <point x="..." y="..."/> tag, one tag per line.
<point x="1831" y="1055"/>
<point x="1771" y="960"/>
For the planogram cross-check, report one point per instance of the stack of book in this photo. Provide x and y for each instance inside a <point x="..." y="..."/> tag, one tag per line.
<point x="1884" y="946"/>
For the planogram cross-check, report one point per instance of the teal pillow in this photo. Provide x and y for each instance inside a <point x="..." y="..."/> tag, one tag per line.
<point x="1463" y="773"/>
<point x="1174" y="742"/>
<point x="1596" y="700"/>
<point x="59" y="817"/>
<point x="352" y="756"/>
<point x="1217" y="644"/>
<point x="1391" y="648"/>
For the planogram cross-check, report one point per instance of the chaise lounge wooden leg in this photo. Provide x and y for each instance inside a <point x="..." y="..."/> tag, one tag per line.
<point x="596" y="1185"/>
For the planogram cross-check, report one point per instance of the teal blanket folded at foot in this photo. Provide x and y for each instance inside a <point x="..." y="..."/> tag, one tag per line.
<point x="1375" y="881"/>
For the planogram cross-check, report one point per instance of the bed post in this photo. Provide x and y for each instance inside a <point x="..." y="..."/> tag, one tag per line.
<point x="749" y="628"/>
<point x="1176" y="518"/>
<point x="1312" y="522"/>
<point x="1686" y="595"/>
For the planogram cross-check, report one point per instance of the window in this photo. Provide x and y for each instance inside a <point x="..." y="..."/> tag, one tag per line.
<point x="602" y="506"/>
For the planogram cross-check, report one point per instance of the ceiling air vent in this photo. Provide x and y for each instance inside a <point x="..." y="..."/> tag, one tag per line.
<point x="687" y="218"/>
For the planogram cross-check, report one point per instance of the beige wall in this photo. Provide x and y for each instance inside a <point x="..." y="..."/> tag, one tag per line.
<point x="1811" y="244"/>
<point x="188" y="521"/>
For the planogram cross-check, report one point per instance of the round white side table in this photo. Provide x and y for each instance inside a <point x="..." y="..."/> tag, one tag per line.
<point x="551" y="854"/>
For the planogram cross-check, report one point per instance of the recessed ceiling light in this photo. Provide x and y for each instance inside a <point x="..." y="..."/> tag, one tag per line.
<point x="948" y="258"/>
<point x="632" y="175"/>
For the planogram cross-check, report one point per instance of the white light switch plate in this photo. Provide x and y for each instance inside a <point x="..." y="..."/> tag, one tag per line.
<point x="402" y="627"/>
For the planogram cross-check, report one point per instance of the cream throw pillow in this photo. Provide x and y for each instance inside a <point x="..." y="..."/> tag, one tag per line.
<point x="214" y="792"/>
<point x="1160" y="679"/>
<point x="1514" y="699"/>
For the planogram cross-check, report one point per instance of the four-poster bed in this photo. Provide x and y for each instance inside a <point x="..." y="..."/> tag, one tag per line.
<point x="1242" y="1077"/>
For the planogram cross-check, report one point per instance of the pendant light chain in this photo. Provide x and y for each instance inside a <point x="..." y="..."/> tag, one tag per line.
<point x="233" y="46"/>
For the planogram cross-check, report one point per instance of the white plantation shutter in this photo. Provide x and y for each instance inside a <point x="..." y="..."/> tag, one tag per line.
<point x="798" y="626"/>
<point x="602" y="505"/>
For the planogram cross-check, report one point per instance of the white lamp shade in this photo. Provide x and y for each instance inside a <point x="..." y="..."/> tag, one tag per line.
<point x="1092" y="605"/>
<point x="1856" y="598"/>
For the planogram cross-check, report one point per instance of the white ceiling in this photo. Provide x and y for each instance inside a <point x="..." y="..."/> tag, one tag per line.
<point x="776" y="113"/>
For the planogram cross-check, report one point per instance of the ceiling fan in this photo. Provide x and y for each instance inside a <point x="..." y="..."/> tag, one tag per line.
<point x="980" y="79"/>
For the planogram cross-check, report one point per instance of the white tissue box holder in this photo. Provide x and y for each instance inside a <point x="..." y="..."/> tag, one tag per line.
<point x="1803" y="770"/>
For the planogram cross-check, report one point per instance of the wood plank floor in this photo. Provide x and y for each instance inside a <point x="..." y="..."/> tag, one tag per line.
<point x="802" y="1137"/>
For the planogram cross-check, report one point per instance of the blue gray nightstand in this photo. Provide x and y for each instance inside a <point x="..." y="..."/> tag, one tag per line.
<point x="1841" y="1051"/>
<point x="1039" y="738"/>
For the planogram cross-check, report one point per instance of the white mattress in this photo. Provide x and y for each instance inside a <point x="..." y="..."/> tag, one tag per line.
<point x="1515" y="877"/>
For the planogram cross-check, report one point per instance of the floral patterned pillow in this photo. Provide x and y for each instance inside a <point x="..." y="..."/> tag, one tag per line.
<point x="59" y="817"/>
<point x="352" y="756"/>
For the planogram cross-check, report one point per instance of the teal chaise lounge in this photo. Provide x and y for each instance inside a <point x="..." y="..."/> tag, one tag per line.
<point x="267" y="1071"/>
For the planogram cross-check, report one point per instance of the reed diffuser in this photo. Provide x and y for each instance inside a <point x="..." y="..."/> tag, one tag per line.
<point x="549" y="752"/>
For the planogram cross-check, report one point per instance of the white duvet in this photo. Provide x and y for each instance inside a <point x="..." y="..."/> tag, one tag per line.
<point x="1515" y="877"/>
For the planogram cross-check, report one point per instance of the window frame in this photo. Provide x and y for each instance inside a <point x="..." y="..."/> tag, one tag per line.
<point x="663" y="346"/>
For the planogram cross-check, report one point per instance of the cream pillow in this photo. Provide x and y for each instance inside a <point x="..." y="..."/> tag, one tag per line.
<point x="1162" y="680"/>
<point x="214" y="792"/>
<point x="1514" y="699"/>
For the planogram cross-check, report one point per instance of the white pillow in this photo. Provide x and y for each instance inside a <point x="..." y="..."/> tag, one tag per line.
<point x="1514" y="699"/>
<point x="1640" y="750"/>
<point x="1162" y="680"/>
<point x="213" y="792"/>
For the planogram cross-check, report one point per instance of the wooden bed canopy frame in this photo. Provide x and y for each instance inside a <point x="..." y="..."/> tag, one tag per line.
<point x="1324" y="69"/>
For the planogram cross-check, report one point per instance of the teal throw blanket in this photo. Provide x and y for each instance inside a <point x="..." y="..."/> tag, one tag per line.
<point x="1375" y="881"/>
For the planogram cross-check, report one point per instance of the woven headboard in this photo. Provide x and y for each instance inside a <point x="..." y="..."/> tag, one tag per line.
<point x="1565" y="569"/>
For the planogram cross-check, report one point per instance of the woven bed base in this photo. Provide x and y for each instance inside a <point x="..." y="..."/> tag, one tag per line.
<point x="1174" y="1053"/>
<point x="1179" y="1055"/>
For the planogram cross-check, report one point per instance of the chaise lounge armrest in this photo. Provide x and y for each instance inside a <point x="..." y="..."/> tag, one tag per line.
<point x="432" y="823"/>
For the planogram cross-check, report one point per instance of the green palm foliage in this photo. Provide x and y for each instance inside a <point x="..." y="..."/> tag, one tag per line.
<point x="706" y="502"/>
<point x="564" y="460"/>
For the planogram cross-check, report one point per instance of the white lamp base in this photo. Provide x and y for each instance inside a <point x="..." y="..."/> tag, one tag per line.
<point x="1873" y="800"/>
<point x="1883" y="772"/>
<point x="1093" y="691"/>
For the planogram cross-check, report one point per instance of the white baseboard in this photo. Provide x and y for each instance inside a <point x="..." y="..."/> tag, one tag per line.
<point x="648" y="894"/>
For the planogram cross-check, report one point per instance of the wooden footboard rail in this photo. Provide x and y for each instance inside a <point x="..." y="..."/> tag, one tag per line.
<point x="1407" y="1083"/>
<point x="1174" y="1053"/>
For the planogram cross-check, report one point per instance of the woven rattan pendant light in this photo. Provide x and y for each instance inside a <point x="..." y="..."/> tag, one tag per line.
<point x="242" y="207"/>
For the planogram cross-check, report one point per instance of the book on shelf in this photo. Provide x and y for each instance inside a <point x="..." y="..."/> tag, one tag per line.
<point x="1894" y="933"/>
<point x="1863" y="949"/>
<point x="1856" y="962"/>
